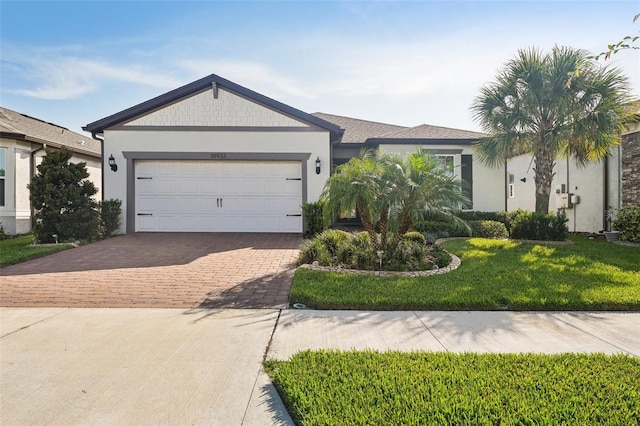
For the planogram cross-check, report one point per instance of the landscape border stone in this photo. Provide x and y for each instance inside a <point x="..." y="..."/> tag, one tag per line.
<point x="452" y="266"/>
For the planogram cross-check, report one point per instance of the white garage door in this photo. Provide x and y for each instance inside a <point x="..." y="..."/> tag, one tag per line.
<point x="218" y="196"/>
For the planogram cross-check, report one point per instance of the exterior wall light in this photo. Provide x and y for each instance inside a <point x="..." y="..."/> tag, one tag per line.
<point x="112" y="163"/>
<point x="523" y="180"/>
<point x="318" y="165"/>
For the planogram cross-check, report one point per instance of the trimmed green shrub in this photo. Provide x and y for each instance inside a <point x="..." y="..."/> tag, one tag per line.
<point x="3" y="233"/>
<point x="489" y="229"/>
<point x="415" y="236"/>
<point x="627" y="221"/>
<point x="441" y="229"/>
<point x="502" y="216"/>
<point x="539" y="226"/>
<point x="62" y="197"/>
<point x="110" y="211"/>
<point x="312" y="214"/>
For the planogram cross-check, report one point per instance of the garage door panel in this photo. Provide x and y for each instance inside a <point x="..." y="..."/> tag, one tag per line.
<point x="219" y="196"/>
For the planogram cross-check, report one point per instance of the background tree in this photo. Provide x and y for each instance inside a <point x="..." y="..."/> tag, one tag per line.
<point x="62" y="198"/>
<point x="530" y="108"/>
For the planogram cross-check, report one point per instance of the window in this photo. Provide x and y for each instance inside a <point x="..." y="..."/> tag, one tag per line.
<point x="3" y="168"/>
<point x="512" y="186"/>
<point x="447" y="162"/>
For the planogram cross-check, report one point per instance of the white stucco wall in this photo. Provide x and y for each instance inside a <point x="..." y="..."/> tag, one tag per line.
<point x="586" y="182"/>
<point x="486" y="181"/>
<point x="316" y="143"/>
<point x="203" y="109"/>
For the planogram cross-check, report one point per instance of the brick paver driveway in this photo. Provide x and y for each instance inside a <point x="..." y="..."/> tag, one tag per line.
<point x="162" y="270"/>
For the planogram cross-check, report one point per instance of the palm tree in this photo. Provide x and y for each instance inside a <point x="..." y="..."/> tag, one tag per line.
<point x="421" y="184"/>
<point x="530" y="108"/>
<point x="392" y="192"/>
<point x="356" y="184"/>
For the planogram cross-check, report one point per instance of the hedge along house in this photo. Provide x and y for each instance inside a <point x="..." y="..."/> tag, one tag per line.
<point x="213" y="156"/>
<point x="23" y="143"/>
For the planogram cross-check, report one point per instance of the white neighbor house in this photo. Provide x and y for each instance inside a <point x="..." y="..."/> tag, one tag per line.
<point x="23" y="140"/>
<point x="213" y="156"/>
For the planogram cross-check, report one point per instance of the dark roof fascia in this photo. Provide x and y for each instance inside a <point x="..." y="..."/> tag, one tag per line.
<point x="203" y="84"/>
<point x="374" y="142"/>
<point x="26" y="138"/>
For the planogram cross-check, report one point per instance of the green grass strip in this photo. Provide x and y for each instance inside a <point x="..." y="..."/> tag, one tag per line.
<point x="394" y="388"/>
<point x="16" y="250"/>
<point x="494" y="274"/>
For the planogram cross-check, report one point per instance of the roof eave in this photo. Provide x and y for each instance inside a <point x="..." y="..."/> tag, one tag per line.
<point x="202" y="84"/>
<point x="374" y="142"/>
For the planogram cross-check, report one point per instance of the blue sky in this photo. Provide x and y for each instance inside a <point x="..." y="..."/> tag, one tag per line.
<point x="407" y="63"/>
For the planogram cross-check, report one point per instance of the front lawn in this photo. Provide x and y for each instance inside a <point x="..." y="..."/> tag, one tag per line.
<point x="16" y="250"/>
<point x="358" y="388"/>
<point x="495" y="274"/>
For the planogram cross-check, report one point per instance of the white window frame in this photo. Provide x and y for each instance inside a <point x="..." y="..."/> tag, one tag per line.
<point x="512" y="184"/>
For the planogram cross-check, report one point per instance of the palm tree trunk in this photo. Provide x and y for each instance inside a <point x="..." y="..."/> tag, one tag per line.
<point x="369" y="226"/>
<point x="405" y="223"/>
<point x="544" y="162"/>
<point x="384" y="228"/>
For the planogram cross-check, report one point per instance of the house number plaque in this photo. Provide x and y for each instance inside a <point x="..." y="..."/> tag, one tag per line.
<point x="218" y="155"/>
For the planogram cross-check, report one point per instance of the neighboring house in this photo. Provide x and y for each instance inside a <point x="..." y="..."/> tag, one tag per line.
<point x="23" y="140"/>
<point x="590" y="194"/>
<point x="214" y="156"/>
<point x="630" y="146"/>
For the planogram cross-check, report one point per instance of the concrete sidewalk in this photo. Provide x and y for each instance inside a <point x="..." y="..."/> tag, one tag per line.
<point x="171" y="366"/>
<point x="542" y="332"/>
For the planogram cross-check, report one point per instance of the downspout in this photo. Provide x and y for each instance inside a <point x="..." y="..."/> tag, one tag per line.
<point x="505" y="186"/>
<point x="605" y="195"/>
<point x="94" y="135"/>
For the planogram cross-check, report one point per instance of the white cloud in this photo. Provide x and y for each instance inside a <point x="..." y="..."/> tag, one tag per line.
<point x="254" y="75"/>
<point x="56" y="76"/>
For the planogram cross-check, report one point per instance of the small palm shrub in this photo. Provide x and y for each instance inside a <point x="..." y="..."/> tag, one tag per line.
<point x="355" y="250"/>
<point x="539" y="226"/>
<point x="489" y="229"/>
<point x="627" y="222"/>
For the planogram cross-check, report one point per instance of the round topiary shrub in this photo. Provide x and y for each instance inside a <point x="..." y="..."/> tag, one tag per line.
<point x="627" y="222"/>
<point x="415" y="236"/>
<point x="489" y="229"/>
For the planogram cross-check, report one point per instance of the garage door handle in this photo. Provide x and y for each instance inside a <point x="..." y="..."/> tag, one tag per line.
<point x="218" y="202"/>
<point x="294" y="179"/>
<point x="294" y="215"/>
<point x="142" y="177"/>
<point x="145" y="214"/>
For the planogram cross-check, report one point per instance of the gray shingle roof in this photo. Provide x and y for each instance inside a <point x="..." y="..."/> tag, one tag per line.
<point x="425" y="131"/>
<point x="356" y="130"/>
<point x="361" y="131"/>
<point x="20" y="126"/>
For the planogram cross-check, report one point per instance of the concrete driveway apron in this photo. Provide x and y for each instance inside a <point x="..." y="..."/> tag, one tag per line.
<point x="159" y="270"/>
